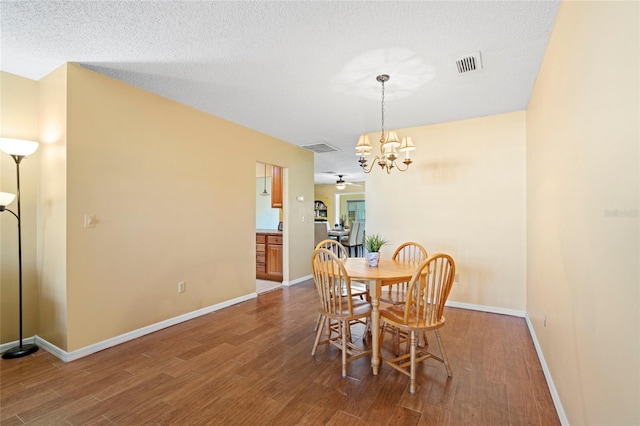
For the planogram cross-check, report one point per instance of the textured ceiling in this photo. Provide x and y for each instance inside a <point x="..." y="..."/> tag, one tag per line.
<point x="304" y="71"/>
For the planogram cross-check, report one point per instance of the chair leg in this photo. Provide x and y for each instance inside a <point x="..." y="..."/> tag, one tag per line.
<point x="381" y="334"/>
<point x="367" y="330"/>
<point x="396" y="337"/>
<point x="412" y="383"/>
<point x="444" y="356"/>
<point x="322" y="319"/>
<point x="425" y="342"/>
<point x="317" y="322"/>
<point x="345" y="325"/>
<point x="396" y="341"/>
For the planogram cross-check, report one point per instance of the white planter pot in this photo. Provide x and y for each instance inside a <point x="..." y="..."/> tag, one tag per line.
<point x="373" y="258"/>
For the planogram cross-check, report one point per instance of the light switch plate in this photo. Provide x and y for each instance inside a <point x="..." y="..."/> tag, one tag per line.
<point x="89" y="220"/>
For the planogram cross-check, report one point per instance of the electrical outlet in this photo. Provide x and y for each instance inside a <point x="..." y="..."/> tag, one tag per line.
<point x="545" y="320"/>
<point x="181" y="287"/>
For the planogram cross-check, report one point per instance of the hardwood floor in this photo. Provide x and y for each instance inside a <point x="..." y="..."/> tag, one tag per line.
<point x="250" y="364"/>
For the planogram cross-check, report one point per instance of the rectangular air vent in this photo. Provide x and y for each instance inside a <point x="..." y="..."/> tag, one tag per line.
<point x="468" y="63"/>
<point x="320" y="148"/>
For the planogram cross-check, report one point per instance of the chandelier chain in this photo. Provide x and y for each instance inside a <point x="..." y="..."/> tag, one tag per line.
<point x="382" y="110"/>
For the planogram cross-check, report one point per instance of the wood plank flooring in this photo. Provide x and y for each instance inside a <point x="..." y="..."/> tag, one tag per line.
<point x="250" y="364"/>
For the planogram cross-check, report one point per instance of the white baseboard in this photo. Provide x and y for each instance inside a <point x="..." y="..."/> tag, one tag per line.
<point x="297" y="281"/>
<point x="276" y="286"/>
<point x="547" y="374"/>
<point x="96" y="347"/>
<point x="490" y="309"/>
<point x="9" y="345"/>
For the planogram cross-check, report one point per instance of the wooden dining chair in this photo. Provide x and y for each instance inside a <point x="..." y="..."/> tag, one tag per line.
<point x="395" y="294"/>
<point x="357" y="289"/>
<point x="423" y="311"/>
<point x="337" y="306"/>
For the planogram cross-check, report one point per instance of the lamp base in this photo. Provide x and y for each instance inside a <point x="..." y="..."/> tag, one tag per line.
<point x="20" y="351"/>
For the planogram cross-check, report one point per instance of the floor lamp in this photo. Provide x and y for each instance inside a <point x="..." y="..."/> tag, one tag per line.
<point x="18" y="149"/>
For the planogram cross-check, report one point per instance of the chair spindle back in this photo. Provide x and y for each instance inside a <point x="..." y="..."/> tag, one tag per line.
<point x="332" y="282"/>
<point x="429" y="289"/>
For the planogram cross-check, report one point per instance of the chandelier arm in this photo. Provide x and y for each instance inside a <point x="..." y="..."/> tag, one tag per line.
<point x="398" y="166"/>
<point x="374" y="161"/>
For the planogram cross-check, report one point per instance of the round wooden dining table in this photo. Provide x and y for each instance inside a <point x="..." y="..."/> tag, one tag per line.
<point x="387" y="272"/>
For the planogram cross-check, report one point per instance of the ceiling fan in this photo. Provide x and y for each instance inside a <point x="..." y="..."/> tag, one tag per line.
<point x="341" y="183"/>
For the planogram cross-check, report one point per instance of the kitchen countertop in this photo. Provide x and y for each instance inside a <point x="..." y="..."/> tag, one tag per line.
<point x="268" y="231"/>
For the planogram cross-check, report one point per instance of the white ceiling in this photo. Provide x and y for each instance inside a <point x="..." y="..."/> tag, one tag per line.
<point x="301" y="71"/>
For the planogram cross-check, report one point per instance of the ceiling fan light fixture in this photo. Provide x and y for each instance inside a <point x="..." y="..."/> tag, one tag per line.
<point x="340" y="183"/>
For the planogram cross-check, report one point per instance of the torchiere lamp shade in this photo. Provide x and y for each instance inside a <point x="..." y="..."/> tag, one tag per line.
<point x="20" y="147"/>
<point x="6" y="198"/>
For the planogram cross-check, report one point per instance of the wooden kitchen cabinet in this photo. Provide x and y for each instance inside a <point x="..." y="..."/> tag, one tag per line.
<point x="274" y="257"/>
<point x="276" y="187"/>
<point x="269" y="256"/>
<point x="261" y="255"/>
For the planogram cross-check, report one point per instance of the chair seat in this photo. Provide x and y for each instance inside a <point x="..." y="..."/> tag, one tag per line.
<point x="394" y="298"/>
<point x="361" y="308"/>
<point x="395" y="315"/>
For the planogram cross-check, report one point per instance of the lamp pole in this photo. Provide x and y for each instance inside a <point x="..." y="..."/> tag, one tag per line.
<point x="7" y="145"/>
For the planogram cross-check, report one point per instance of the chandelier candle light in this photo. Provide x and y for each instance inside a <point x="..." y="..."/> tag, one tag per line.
<point x="390" y="145"/>
<point x="18" y="149"/>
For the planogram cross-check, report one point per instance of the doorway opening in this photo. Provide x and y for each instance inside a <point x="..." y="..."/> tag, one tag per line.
<point x="269" y="227"/>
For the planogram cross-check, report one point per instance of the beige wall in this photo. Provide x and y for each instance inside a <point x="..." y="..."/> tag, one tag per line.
<point x="464" y="195"/>
<point x="172" y="199"/>
<point x="173" y="202"/>
<point x="52" y="209"/>
<point x="582" y="165"/>
<point x="18" y="119"/>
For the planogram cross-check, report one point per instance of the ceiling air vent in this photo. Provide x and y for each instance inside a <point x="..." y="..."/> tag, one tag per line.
<point x="320" y="148"/>
<point x="468" y="63"/>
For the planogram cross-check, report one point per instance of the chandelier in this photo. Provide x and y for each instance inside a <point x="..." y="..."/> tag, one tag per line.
<point x="390" y="145"/>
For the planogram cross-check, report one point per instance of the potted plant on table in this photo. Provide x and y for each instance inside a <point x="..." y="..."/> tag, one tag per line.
<point x="373" y="243"/>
